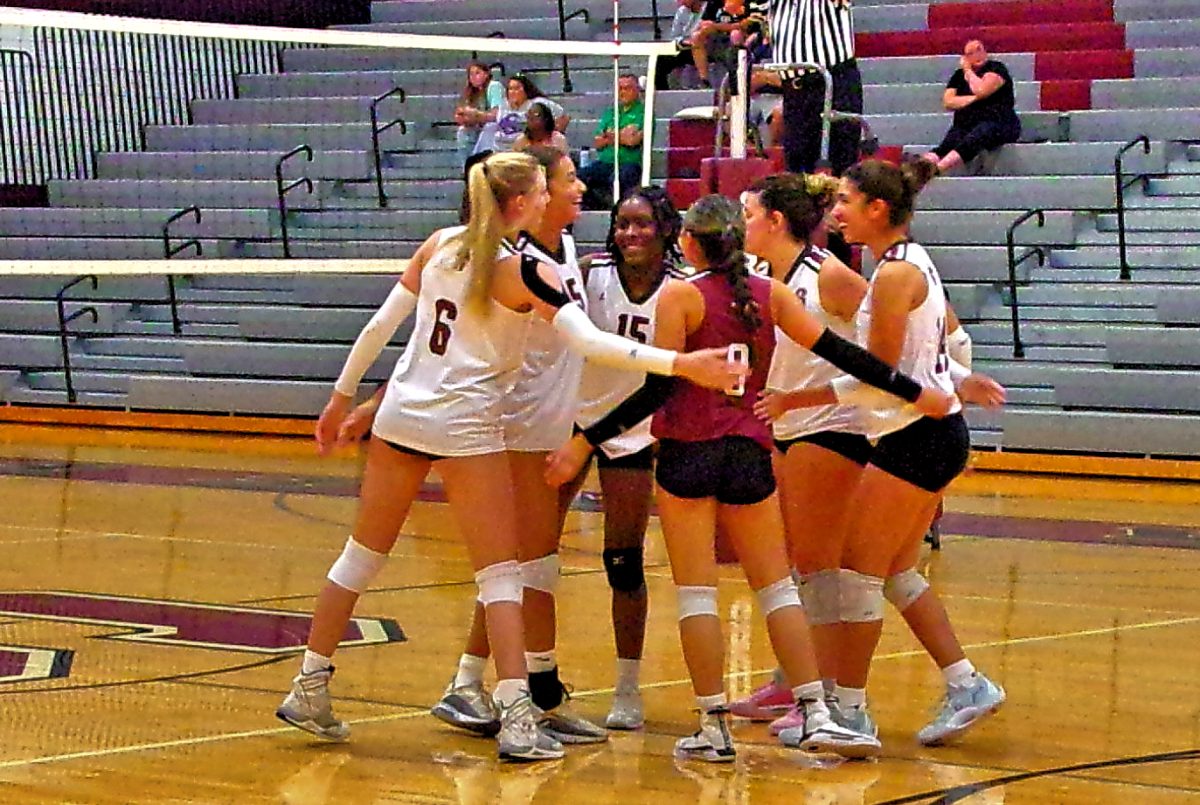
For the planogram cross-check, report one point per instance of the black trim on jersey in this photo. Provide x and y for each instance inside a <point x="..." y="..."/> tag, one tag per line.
<point x="897" y="251"/>
<point x="631" y="411"/>
<point x="662" y="277"/>
<point x="543" y="290"/>
<point x="558" y="255"/>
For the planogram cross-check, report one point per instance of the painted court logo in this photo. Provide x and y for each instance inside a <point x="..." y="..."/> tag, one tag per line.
<point x="222" y="627"/>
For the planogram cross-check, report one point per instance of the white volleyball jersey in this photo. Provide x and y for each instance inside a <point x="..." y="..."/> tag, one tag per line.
<point x="794" y="367"/>
<point x="924" y="356"/>
<point x="539" y="411"/>
<point x="604" y="388"/>
<point x="446" y="393"/>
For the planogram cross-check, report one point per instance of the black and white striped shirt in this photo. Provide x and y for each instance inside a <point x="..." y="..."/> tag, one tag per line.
<point x="820" y="31"/>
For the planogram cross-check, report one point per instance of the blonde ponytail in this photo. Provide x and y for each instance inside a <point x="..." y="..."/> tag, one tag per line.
<point x="490" y="184"/>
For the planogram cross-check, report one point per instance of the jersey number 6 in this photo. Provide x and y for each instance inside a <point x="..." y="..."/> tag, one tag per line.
<point x="444" y="312"/>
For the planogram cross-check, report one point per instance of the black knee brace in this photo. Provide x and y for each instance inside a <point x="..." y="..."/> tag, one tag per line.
<point x="624" y="569"/>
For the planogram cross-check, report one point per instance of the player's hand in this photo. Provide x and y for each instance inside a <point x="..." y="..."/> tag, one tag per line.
<point x="772" y="404"/>
<point x="358" y="424"/>
<point x="331" y="421"/>
<point x="982" y="390"/>
<point x="567" y="461"/>
<point x="935" y="403"/>
<point x="710" y="368"/>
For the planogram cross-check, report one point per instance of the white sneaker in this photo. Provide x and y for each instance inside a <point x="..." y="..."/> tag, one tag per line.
<point x="712" y="742"/>
<point x="308" y="707"/>
<point x="520" y="739"/>
<point x="961" y="708"/>
<point x="626" y="712"/>
<point x="468" y="707"/>
<point x="820" y="734"/>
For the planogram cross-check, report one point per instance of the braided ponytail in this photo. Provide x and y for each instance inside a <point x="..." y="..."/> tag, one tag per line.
<point x="716" y="224"/>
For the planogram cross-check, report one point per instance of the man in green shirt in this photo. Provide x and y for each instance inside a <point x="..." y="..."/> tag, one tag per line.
<point x="598" y="174"/>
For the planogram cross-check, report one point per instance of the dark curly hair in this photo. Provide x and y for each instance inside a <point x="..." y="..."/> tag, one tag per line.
<point x="898" y="186"/>
<point x="666" y="222"/>
<point x="717" y="225"/>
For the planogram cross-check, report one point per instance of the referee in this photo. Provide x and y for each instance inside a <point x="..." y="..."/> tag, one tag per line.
<point x="822" y="32"/>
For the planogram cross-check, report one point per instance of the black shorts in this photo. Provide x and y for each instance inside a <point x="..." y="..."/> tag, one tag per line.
<point x="733" y="469"/>
<point x="641" y="460"/>
<point x="853" y="446"/>
<point x="409" y="451"/>
<point x="929" y="453"/>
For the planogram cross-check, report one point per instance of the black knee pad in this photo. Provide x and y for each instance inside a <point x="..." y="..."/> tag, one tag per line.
<point x="624" y="569"/>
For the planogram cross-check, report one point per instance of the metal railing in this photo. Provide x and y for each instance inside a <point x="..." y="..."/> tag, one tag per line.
<point x="64" y="320"/>
<point x="1121" y="183"/>
<point x="282" y="190"/>
<point x="23" y="155"/>
<point x="1013" y="262"/>
<point x="170" y="251"/>
<point x="563" y="19"/>
<point x="492" y="35"/>
<point x="376" y="130"/>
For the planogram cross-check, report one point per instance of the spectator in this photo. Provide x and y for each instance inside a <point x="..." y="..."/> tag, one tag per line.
<point x="598" y="174"/>
<point x="477" y="105"/>
<point x="521" y="94"/>
<point x="980" y="93"/>
<point x="687" y="20"/>
<point x="819" y="32"/>
<point x="540" y="130"/>
<point x="712" y="39"/>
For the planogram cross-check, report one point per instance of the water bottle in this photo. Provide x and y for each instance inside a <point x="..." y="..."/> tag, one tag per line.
<point x="585" y="157"/>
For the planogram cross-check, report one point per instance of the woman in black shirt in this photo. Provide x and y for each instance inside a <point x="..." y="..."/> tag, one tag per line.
<point x="980" y="93"/>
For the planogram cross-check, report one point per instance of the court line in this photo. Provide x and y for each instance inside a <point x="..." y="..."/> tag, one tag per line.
<point x="186" y="742"/>
<point x="230" y="736"/>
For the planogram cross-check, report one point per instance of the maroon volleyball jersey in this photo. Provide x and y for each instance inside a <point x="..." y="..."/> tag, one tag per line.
<point x="695" y="414"/>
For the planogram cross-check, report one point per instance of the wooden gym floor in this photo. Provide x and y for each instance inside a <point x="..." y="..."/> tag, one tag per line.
<point x="137" y="663"/>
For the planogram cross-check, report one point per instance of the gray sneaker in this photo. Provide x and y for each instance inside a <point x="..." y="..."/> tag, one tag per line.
<point x="520" y="739"/>
<point x="567" y="726"/>
<point x="961" y="708"/>
<point x="309" y="708"/>
<point x="820" y="734"/>
<point x="468" y="707"/>
<point x="626" y="712"/>
<point x="711" y="742"/>
<point x="855" y="718"/>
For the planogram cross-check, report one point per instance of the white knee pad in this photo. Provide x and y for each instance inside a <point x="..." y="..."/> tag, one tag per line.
<point x="775" y="596"/>
<point x="904" y="588"/>
<point x="822" y="597"/>
<point x="356" y="567"/>
<point x="500" y="582"/>
<point x="542" y="574"/>
<point x="861" y="597"/>
<point x="695" y="601"/>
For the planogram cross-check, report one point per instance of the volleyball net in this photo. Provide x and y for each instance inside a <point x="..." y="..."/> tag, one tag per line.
<point x="185" y="163"/>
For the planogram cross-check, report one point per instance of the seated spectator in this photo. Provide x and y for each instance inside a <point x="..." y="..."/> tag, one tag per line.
<point x="980" y="93"/>
<point x="627" y="132"/>
<point x="510" y="122"/>
<point x="477" y="105"/>
<point x="713" y="38"/>
<point x="540" y="130"/>
<point x="687" y="20"/>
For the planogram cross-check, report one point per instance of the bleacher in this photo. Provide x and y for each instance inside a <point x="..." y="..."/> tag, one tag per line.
<point x="1110" y="365"/>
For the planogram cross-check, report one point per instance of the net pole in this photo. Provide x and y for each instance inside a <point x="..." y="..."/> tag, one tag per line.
<point x="616" y="179"/>
<point x="648" y="118"/>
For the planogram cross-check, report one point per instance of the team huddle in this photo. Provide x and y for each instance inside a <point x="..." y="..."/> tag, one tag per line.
<point x="724" y="358"/>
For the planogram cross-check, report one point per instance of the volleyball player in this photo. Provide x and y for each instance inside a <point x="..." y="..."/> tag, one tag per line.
<point x="822" y="450"/>
<point x="714" y="464"/>
<point x="903" y="319"/>
<point x="443" y="406"/>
